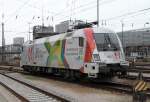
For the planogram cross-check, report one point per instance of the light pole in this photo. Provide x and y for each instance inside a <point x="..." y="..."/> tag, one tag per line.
<point x="97" y="12"/>
<point x="29" y="29"/>
<point x="122" y="30"/>
<point x="145" y="49"/>
<point x="3" y="40"/>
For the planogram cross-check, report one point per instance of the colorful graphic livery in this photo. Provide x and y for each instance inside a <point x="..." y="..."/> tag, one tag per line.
<point x="88" y="52"/>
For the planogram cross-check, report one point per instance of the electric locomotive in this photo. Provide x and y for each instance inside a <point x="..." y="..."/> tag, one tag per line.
<point x="88" y="52"/>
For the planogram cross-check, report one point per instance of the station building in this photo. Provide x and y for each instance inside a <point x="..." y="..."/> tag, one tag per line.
<point x="136" y="43"/>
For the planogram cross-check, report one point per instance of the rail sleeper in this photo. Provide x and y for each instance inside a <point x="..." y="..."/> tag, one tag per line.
<point x="27" y="92"/>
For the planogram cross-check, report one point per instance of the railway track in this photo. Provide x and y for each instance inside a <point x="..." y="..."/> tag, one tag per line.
<point x="121" y="87"/>
<point x="103" y="84"/>
<point x="133" y="72"/>
<point x="26" y="92"/>
<point x="108" y="85"/>
<point x="112" y="86"/>
<point x="139" y="70"/>
<point x="134" y="77"/>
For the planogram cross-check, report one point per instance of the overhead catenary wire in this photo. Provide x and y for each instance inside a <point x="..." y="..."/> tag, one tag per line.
<point x="33" y="6"/>
<point x="80" y="6"/>
<point x="26" y="3"/>
<point x="128" y="14"/>
<point x="55" y="15"/>
<point x="48" y="11"/>
<point x="17" y="10"/>
<point x="86" y="8"/>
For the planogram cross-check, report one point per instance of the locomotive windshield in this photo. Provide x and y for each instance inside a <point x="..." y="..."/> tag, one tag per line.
<point x="106" y="42"/>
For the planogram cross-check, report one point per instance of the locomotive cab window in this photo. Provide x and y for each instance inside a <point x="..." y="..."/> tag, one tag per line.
<point x="107" y="42"/>
<point x="81" y="41"/>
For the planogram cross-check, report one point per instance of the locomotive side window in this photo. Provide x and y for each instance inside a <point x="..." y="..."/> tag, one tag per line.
<point x="81" y="41"/>
<point x="22" y="49"/>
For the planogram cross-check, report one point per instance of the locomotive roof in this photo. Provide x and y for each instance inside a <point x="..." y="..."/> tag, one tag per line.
<point x="102" y="30"/>
<point x="67" y="35"/>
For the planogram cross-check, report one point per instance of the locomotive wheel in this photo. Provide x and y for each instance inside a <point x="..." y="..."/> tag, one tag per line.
<point x="124" y="73"/>
<point x="67" y="74"/>
<point x="73" y="75"/>
<point x="77" y="75"/>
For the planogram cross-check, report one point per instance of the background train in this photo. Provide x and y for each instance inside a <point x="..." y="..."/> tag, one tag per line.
<point x="88" y="52"/>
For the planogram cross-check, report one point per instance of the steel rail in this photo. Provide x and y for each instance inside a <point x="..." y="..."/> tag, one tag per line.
<point x="22" y="98"/>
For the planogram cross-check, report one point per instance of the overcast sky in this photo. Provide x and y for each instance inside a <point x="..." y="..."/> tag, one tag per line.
<point x="19" y="13"/>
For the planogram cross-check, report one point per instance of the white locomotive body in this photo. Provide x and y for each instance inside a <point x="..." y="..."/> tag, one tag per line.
<point x="89" y="52"/>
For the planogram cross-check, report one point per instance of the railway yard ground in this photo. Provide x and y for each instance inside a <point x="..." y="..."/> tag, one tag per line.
<point x="117" y="91"/>
<point x="7" y="96"/>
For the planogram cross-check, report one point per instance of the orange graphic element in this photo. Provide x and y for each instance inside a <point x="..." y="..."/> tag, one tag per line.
<point x="90" y="45"/>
